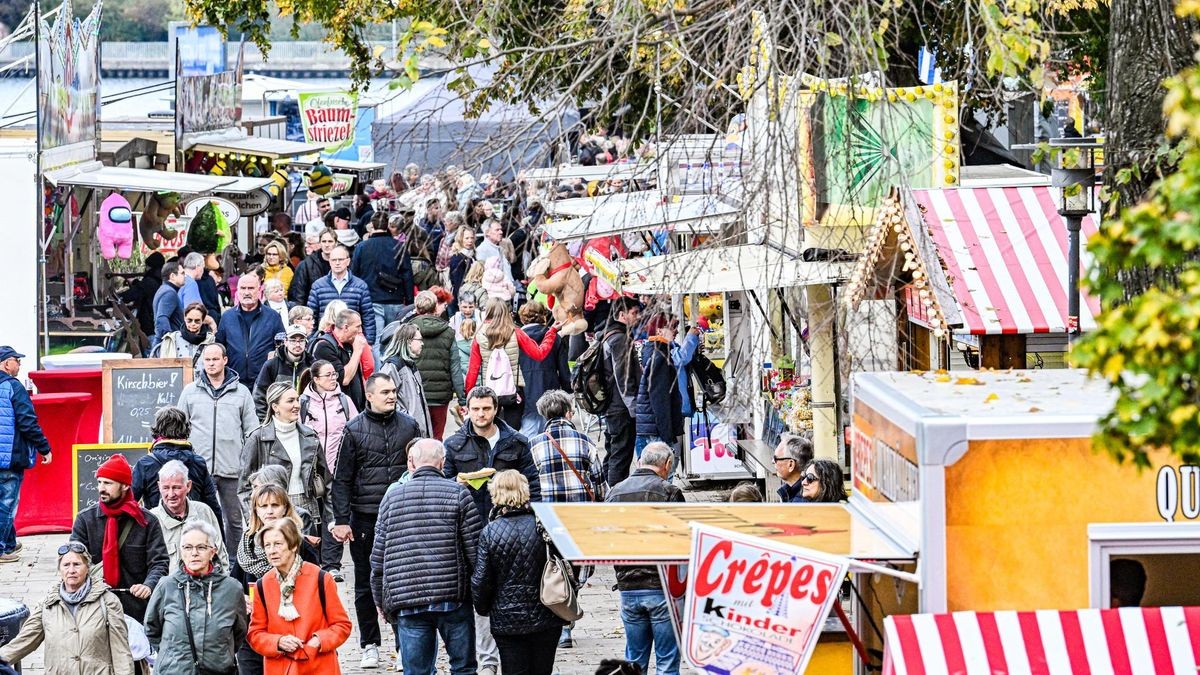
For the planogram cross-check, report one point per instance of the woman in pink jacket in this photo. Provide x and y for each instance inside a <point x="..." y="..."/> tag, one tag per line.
<point x="326" y="410"/>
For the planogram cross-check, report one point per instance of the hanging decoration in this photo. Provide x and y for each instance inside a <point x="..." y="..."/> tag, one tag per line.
<point x="159" y="207"/>
<point x="116" y="227"/>
<point x="319" y="179"/>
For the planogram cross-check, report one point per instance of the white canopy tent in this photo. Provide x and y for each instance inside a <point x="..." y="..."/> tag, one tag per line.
<point x="97" y="176"/>
<point x="590" y="173"/>
<point x="618" y="214"/>
<point x="725" y="269"/>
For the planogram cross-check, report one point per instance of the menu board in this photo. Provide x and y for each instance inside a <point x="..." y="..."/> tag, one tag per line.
<point x="134" y="390"/>
<point x="85" y="459"/>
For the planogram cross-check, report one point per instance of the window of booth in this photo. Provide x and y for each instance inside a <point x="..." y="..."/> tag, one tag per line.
<point x="1154" y="558"/>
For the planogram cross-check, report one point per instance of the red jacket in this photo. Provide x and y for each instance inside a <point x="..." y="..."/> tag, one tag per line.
<point x="333" y="627"/>
<point x="533" y="350"/>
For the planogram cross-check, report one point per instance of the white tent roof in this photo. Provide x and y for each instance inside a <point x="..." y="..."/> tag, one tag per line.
<point x="724" y="269"/>
<point x="96" y="175"/>
<point x="696" y="214"/>
<point x="586" y="206"/>
<point x="600" y="172"/>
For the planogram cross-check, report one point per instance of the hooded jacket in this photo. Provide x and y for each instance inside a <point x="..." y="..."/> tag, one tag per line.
<point x="145" y="474"/>
<point x="20" y="434"/>
<point x="94" y="641"/>
<point x="507" y="582"/>
<point x="220" y="418"/>
<point x="621" y="370"/>
<point x="441" y="371"/>
<point x="467" y="452"/>
<point x="327" y="413"/>
<point x="281" y="368"/>
<point x="374" y="454"/>
<point x="659" y="408"/>
<point x="308" y="271"/>
<point x="249" y="337"/>
<point x="216" y="608"/>
<point x="143" y="556"/>
<point x="263" y="447"/>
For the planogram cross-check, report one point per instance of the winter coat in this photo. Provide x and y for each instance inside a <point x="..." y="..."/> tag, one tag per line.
<point x="168" y="310"/>
<point x="460" y="264"/>
<point x="441" y="372"/>
<point x="221" y="418"/>
<point x="95" y="641"/>
<point x="467" y="452"/>
<point x="145" y="474"/>
<point x="327" y="413"/>
<point x="20" y="434"/>
<point x="249" y="337"/>
<point x="280" y="368"/>
<point x="143" y="556"/>
<point x="518" y="343"/>
<point x="308" y="271"/>
<point x="141" y="295"/>
<point x="508" y="575"/>
<point x="425" y="543"/>
<point x="658" y="411"/>
<point x="172" y="529"/>
<point x="621" y="370"/>
<point x="377" y="254"/>
<point x="643" y="485"/>
<point x="551" y="372"/>
<point x="283" y="272"/>
<point x="355" y="294"/>
<point x="216" y="609"/>
<point x="326" y="348"/>
<point x="374" y="454"/>
<point x="682" y="356"/>
<point x="331" y="625"/>
<point x="209" y="295"/>
<point x="263" y="447"/>
<point x="410" y="392"/>
<point x="173" y="346"/>
<point x="464" y="362"/>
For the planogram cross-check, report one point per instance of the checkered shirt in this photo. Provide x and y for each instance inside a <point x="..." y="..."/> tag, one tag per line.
<point x="558" y="482"/>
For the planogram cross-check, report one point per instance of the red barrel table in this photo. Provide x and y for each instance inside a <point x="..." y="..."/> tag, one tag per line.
<point x="83" y="380"/>
<point x="46" y="504"/>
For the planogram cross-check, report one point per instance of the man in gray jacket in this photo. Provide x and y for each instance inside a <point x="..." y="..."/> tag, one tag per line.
<point x="221" y="410"/>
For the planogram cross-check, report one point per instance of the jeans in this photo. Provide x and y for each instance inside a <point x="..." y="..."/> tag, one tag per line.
<point x="363" y="525"/>
<point x="10" y="494"/>
<point x="619" y="440"/>
<point x="231" y="510"/>
<point x="486" y="650"/>
<point x="532" y="423"/>
<point x="384" y="314"/>
<point x="529" y="654"/>
<point x="648" y="621"/>
<point x="416" y="636"/>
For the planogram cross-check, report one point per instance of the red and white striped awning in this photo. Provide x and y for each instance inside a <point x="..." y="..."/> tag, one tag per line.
<point x="1005" y="251"/>
<point x="1129" y="641"/>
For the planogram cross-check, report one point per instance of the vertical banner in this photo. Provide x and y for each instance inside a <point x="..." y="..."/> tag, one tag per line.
<point x="755" y="605"/>
<point x="328" y="118"/>
<point x="68" y="81"/>
<point x="207" y="102"/>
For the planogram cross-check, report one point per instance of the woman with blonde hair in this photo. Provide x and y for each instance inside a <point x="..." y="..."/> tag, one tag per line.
<point x="462" y="257"/>
<point x="507" y="580"/>
<point x="498" y="332"/>
<point x="275" y="264"/>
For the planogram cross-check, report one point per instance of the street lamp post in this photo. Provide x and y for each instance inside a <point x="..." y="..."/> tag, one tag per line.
<point x="1074" y="176"/>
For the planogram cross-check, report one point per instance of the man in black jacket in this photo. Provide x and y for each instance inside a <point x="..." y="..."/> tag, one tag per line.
<point x="372" y="457"/>
<point x="315" y="266"/>
<point x="290" y="360"/>
<point x="643" y="605"/>
<point x="621" y="373"/>
<point x="343" y="346"/>
<point x="422" y="561"/>
<point x="134" y="539"/>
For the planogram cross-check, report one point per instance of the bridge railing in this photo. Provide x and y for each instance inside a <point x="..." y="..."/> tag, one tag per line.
<point x="154" y="54"/>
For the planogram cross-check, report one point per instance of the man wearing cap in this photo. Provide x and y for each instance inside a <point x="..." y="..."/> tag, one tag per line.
<point x="290" y="360"/>
<point x="20" y="437"/>
<point x="346" y="235"/>
<point x="124" y="537"/>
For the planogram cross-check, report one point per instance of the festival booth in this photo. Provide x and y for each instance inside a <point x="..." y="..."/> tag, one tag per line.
<point x="593" y="174"/>
<point x="977" y="269"/>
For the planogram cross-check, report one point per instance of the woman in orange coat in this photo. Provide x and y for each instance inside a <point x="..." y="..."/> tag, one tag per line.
<point x="296" y="629"/>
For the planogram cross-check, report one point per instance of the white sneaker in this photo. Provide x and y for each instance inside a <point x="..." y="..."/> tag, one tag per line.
<point x="370" y="657"/>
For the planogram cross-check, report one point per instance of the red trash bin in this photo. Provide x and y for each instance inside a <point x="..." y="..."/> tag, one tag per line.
<point x="45" y="504"/>
<point x="83" y="380"/>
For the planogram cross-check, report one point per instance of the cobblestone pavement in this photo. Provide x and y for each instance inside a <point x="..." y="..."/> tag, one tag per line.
<point x="598" y="635"/>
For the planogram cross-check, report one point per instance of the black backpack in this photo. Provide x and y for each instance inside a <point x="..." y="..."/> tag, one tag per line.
<point x="709" y="379"/>
<point x="588" y="384"/>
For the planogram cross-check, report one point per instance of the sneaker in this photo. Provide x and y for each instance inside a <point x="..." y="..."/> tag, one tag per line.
<point x="18" y="547"/>
<point x="370" y="657"/>
<point x="10" y="557"/>
<point x="337" y="575"/>
<point x="487" y="670"/>
<point x="565" y="642"/>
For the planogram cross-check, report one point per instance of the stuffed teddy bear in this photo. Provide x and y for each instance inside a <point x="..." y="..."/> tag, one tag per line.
<point x="555" y="275"/>
<point x="158" y="207"/>
<point x="116" y="227"/>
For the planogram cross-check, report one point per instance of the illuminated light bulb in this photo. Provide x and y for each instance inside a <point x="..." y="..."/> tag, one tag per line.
<point x="949" y="164"/>
<point x="949" y="119"/>
<point x="919" y="91"/>
<point x="949" y="180"/>
<point x="938" y="87"/>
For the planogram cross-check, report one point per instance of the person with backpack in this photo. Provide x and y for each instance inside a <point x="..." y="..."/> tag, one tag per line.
<point x="326" y="410"/>
<point x="658" y="410"/>
<point x="495" y="355"/>
<point x="621" y="375"/>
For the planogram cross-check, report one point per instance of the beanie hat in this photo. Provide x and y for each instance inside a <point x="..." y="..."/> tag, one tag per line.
<point x="117" y="469"/>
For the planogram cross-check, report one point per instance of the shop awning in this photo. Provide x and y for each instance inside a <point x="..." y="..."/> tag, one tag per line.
<point x="641" y="532"/>
<point x="96" y="175"/>
<point x="245" y="185"/>
<point x="1005" y="253"/>
<point x="726" y="268"/>
<point x="271" y="148"/>
<point x="590" y="173"/>
<point x="580" y="207"/>
<point x="1129" y="640"/>
<point x="689" y="214"/>
<point x="347" y="166"/>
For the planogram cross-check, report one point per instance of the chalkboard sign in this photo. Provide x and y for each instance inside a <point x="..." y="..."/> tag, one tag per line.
<point x="85" y="459"/>
<point x="134" y="390"/>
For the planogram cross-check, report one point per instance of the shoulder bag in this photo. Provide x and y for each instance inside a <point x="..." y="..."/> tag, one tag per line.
<point x="570" y="465"/>
<point x="559" y="591"/>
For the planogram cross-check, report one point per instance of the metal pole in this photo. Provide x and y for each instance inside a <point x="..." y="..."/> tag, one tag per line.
<point x="1074" y="224"/>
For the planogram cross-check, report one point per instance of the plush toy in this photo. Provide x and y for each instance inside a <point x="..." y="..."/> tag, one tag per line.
<point x="555" y="275"/>
<point x="320" y="178"/>
<point x="116" y="227"/>
<point x="494" y="283"/>
<point x="158" y="207"/>
<point x="209" y="232"/>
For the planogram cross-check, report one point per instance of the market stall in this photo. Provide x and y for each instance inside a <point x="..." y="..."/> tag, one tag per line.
<point x="651" y="211"/>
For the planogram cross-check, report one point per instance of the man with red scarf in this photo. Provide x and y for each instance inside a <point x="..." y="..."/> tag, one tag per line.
<point x="123" y="537"/>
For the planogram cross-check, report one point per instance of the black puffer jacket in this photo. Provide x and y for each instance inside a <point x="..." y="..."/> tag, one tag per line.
<point x="467" y="452"/>
<point x="308" y="271"/>
<point x="643" y="485"/>
<point x="508" y="574"/>
<point x="372" y="457"/>
<point x="278" y="369"/>
<point x="425" y="544"/>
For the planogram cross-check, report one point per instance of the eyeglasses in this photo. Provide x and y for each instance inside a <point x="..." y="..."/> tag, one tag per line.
<point x="72" y="547"/>
<point x="325" y="376"/>
<point x="188" y="548"/>
<point x="809" y="479"/>
<point x="782" y="459"/>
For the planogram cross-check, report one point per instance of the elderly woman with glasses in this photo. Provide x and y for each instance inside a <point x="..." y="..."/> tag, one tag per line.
<point x="80" y="618"/>
<point x="197" y="616"/>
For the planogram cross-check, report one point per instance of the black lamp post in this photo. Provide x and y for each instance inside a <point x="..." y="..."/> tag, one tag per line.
<point x="1074" y="176"/>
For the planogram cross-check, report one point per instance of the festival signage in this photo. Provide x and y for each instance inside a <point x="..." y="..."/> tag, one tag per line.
<point x="250" y="203"/>
<point x="69" y="86"/>
<point x="328" y="118"/>
<point x="341" y="185"/>
<point x="754" y="605"/>
<point x="208" y="102"/>
<point x="883" y="458"/>
<point x="226" y="207"/>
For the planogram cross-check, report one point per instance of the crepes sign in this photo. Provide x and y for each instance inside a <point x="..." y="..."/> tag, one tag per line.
<point x="754" y="605"/>
<point x="328" y="118"/>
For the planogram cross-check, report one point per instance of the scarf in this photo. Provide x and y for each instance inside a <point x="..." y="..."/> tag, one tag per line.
<point x="110" y="553"/>
<point x="251" y="558"/>
<point x="506" y="510"/>
<point x="200" y="574"/>
<point x="72" y="600"/>
<point x="287" y="589"/>
<point x="197" y="338"/>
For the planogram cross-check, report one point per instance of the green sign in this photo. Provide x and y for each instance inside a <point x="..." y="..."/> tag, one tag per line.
<point x="328" y="118"/>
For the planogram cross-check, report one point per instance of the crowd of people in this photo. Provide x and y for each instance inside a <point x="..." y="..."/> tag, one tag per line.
<point x="320" y="419"/>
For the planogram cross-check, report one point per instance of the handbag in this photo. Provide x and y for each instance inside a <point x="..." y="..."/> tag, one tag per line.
<point x="591" y="495"/>
<point x="558" y="590"/>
